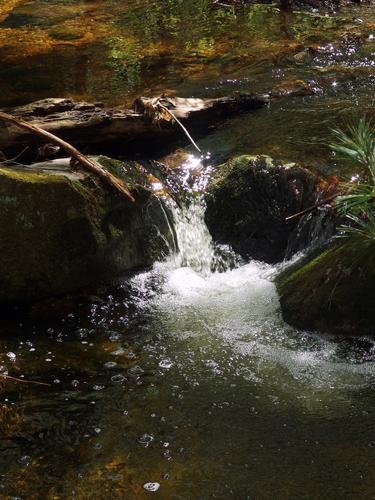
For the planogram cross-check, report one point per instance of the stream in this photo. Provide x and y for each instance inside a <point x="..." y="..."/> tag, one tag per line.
<point x="182" y="382"/>
<point x="191" y="380"/>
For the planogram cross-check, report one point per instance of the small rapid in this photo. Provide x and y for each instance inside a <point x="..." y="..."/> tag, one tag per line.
<point x="195" y="245"/>
<point x="206" y="292"/>
<point x="185" y="382"/>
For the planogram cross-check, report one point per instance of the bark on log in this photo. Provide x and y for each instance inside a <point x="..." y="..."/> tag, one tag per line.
<point x="94" y="126"/>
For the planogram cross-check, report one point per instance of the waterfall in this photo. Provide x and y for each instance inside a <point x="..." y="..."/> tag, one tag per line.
<point x="195" y="245"/>
<point x="196" y="248"/>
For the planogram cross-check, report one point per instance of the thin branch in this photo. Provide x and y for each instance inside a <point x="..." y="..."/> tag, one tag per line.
<point x="182" y="126"/>
<point x="13" y="160"/>
<point x="314" y="207"/>
<point x="23" y="381"/>
<point x="91" y="165"/>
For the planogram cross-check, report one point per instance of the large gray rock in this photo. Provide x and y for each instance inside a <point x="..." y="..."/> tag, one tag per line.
<point x="60" y="231"/>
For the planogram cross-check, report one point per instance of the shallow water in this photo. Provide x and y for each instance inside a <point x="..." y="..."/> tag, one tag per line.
<point x="178" y="375"/>
<point x="191" y="380"/>
<point x="113" y="51"/>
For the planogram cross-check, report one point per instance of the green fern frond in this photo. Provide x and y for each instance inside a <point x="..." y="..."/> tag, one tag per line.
<point x="357" y="145"/>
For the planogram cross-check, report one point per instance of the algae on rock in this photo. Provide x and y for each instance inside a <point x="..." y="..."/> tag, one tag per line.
<point x="248" y="200"/>
<point x="60" y="231"/>
<point x="333" y="292"/>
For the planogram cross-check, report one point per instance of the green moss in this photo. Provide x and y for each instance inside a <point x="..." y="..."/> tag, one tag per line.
<point x="329" y="293"/>
<point x="58" y="234"/>
<point x="248" y="200"/>
<point x="130" y="171"/>
<point x="28" y="176"/>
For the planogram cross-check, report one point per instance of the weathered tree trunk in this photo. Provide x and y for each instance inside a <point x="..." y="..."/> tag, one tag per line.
<point x="94" y="126"/>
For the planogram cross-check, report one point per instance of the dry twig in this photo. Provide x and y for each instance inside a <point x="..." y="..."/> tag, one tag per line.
<point x="156" y="111"/>
<point x="89" y="164"/>
<point x="314" y="207"/>
<point x="23" y="381"/>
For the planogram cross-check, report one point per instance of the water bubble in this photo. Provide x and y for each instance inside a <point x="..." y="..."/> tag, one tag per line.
<point x="97" y="430"/>
<point x="98" y="446"/>
<point x="130" y="355"/>
<point x="75" y="383"/>
<point x="135" y="371"/>
<point x="25" y="460"/>
<point x="145" y="440"/>
<point x="118" y="352"/>
<point x="3" y="370"/>
<point x="165" y="364"/>
<point x="110" y="364"/>
<point x="114" y="336"/>
<point x="151" y="486"/>
<point x="118" y="379"/>
<point x="98" y="387"/>
<point x="11" y="355"/>
<point x="125" y="413"/>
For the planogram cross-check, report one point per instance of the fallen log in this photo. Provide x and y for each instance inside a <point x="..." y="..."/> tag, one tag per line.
<point x="88" y="163"/>
<point x="96" y="127"/>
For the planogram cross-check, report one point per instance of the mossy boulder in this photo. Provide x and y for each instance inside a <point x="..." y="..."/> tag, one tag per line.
<point x="333" y="292"/>
<point x="248" y="200"/>
<point x="60" y="231"/>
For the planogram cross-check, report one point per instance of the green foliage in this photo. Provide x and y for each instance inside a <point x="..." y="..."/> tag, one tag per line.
<point x="360" y="241"/>
<point x="359" y="199"/>
<point x="358" y="203"/>
<point x="357" y="145"/>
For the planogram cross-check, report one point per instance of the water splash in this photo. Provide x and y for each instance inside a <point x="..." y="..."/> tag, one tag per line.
<point x="196" y="248"/>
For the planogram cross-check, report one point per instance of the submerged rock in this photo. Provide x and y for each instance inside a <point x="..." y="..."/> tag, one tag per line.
<point x="60" y="230"/>
<point x="333" y="292"/>
<point x="248" y="200"/>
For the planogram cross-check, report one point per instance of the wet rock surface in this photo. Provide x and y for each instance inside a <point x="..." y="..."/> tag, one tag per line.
<point x="331" y="292"/>
<point x="60" y="231"/>
<point x="249" y="199"/>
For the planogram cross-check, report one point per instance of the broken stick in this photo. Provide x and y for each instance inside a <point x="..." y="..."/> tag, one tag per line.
<point x="314" y="207"/>
<point x="89" y="164"/>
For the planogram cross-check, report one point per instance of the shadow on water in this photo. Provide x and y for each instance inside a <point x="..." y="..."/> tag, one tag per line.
<point x="189" y="379"/>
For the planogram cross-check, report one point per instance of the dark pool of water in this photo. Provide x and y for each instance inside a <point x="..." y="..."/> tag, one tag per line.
<point x="191" y="382"/>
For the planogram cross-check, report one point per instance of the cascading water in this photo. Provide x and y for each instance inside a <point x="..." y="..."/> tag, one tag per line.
<point x="188" y="383"/>
<point x="195" y="246"/>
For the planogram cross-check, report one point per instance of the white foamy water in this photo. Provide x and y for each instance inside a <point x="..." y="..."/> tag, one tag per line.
<point x="231" y="323"/>
<point x="196" y="250"/>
